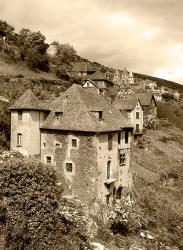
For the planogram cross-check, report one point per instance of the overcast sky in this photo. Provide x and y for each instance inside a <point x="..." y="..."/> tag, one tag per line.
<point x="145" y="36"/>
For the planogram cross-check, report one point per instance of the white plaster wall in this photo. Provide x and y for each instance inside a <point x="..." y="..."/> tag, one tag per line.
<point x="29" y="128"/>
<point x="139" y="121"/>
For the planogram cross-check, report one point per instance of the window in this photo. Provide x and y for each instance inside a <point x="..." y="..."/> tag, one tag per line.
<point x="44" y="144"/>
<point x="74" y="143"/>
<point x="19" y="139"/>
<point x="20" y="115"/>
<point x="110" y="141"/>
<point x="100" y="115"/>
<point x="58" y="115"/>
<point x="69" y="167"/>
<point x="137" y="128"/>
<point x="57" y="145"/>
<point x="48" y="159"/>
<point x="119" y="138"/>
<point x="122" y="159"/>
<point x="126" y="137"/>
<point x="137" y="115"/>
<point x="108" y="169"/>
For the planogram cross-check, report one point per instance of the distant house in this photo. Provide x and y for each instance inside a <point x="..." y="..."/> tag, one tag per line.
<point x="148" y="103"/>
<point x="82" y="136"/>
<point x="100" y="80"/>
<point x="123" y="79"/>
<point x="91" y="86"/>
<point x="132" y="107"/>
<point x="82" y="69"/>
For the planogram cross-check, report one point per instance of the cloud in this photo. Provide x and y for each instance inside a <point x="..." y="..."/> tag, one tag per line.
<point x="135" y="34"/>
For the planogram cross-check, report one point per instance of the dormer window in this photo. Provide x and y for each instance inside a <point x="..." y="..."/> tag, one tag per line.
<point x="98" y="115"/>
<point x="58" y="115"/>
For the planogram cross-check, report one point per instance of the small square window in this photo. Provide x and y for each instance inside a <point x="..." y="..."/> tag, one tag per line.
<point x="74" y="143"/>
<point x="57" y="145"/>
<point x="122" y="159"/>
<point x="48" y="159"/>
<point x="69" y="167"/>
<point x="58" y="115"/>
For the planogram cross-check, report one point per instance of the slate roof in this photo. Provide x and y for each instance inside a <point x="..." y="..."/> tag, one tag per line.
<point x="145" y="98"/>
<point x="76" y="106"/>
<point x="97" y="76"/>
<point x="29" y="101"/>
<point x="93" y="83"/>
<point x="83" y="67"/>
<point x="127" y="103"/>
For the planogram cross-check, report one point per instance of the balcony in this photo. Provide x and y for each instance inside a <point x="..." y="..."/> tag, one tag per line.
<point x="113" y="177"/>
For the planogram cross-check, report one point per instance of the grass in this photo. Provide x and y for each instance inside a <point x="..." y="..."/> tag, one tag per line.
<point x="158" y="183"/>
<point x="9" y="68"/>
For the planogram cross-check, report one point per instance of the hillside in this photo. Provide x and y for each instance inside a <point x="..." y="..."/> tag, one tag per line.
<point x="160" y="81"/>
<point x="158" y="178"/>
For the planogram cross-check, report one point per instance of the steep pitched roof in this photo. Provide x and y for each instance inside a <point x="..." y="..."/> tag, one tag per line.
<point x="83" y="67"/>
<point x="146" y="98"/>
<point x="93" y="83"/>
<point x="28" y="101"/>
<point x="97" y="76"/>
<point x="127" y="103"/>
<point x="77" y="106"/>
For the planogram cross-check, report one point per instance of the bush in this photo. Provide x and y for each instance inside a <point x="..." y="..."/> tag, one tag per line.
<point x="151" y="122"/>
<point x="30" y="207"/>
<point x="125" y="217"/>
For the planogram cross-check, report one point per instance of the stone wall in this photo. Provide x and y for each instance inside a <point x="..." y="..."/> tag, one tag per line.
<point x="83" y="179"/>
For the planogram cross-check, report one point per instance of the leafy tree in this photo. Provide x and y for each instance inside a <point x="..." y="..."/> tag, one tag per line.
<point x="65" y="54"/>
<point x="30" y="211"/>
<point x="33" y="49"/>
<point x="5" y="28"/>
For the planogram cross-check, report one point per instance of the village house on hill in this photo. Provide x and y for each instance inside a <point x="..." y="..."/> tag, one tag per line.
<point x="97" y="82"/>
<point x="82" y="136"/>
<point x="82" y="69"/>
<point x="148" y="103"/>
<point x="132" y="107"/>
<point x="123" y="78"/>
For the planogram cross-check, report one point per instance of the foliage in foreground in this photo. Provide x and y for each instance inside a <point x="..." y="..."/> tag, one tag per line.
<point x="30" y="212"/>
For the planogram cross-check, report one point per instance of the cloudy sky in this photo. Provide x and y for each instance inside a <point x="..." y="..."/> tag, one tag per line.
<point x="145" y="36"/>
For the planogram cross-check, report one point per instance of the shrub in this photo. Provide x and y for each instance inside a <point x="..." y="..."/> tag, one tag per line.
<point x="30" y="205"/>
<point x="125" y="217"/>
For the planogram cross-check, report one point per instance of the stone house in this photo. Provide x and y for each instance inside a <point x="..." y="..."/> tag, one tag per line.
<point x="148" y="103"/>
<point x="85" y="139"/>
<point x="100" y="80"/>
<point x="123" y="79"/>
<point x="82" y="69"/>
<point x="91" y="86"/>
<point x="132" y="107"/>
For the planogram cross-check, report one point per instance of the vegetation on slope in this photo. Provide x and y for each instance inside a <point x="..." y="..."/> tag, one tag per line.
<point x="32" y="215"/>
<point x="158" y="183"/>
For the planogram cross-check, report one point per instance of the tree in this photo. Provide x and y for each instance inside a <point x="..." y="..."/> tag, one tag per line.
<point x="5" y="28"/>
<point x="65" y="54"/>
<point x="33" y="49"/>
<point x="30" y="210"/>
